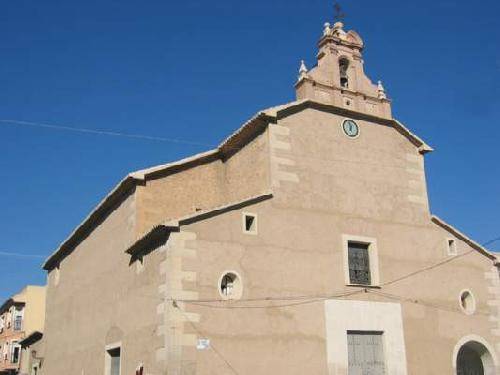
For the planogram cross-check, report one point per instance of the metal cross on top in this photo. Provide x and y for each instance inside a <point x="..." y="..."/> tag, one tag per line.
<point x="339" y="15"/>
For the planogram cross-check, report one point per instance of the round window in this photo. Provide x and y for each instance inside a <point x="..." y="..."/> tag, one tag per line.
<point x="351" y="129"/>
<point x="230" y="286"/>
<point x="467" y="302"/>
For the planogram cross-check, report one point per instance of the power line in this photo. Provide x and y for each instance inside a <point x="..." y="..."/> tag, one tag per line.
<point x="427" y="268"/>
<point x="420" y="302"/>
<point x="491" y="241"/>
<point x="181" y="141"/>
<point x="300" y="301"/>
<point x="211" y="346"/>
<point x="21" y="255"/>
<point x="103" y="132"/>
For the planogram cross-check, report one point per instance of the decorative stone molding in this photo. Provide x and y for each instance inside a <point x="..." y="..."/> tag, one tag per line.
<point x="416" y="181"/>
<point x="281" y="157"/>
<point x="173" y="312"/>
<point x="493" y="281"/>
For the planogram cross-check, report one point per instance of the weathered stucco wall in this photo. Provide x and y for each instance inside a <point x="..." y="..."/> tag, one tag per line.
<point x="204" y="186"/>
<point x="300" y="254"/>
<point x="327" y="186"/>
<point x="100" y="300"/>
<point x="378" y="175"/>
<point x="34" y="313"/>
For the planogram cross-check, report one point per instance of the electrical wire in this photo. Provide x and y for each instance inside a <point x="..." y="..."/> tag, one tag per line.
<point x="427" y="268"/>
<point x="21" y="255"/>
<point x="421" y="302"/>
<point x="491" y="241"/>
<point x="232" y="304"/>
<point x="103" y="132"/>
<point x="200" y="333"/>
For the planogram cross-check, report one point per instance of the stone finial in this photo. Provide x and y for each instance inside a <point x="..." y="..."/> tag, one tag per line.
<point x="338" y="26"/>
<point x="381" y="91"/>
<point x="338" y="30"/>
<point x="327" y="31"/>
<point x="303" y="70"/>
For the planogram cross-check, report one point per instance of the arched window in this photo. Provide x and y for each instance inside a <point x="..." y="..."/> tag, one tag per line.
<point x="344" y="77"/>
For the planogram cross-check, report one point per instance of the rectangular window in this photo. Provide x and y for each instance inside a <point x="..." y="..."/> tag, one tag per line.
<point x="113" y="361"/>
<point x="452" y="247"/>
<point x="18" y="321"/>
<point x="359" y="263"/>
<point x="365" y="353"/>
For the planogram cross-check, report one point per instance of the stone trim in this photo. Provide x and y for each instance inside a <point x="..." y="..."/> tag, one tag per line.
<point x="173" y="313"/>
<point x="417" y="185"/>
<point x="492" y="278"/>
<point x="281" y="158"/>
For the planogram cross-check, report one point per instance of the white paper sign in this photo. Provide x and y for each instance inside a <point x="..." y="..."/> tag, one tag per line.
<point x="203" y="344"/>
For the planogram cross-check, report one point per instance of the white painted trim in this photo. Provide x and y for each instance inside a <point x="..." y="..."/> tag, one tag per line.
<point x="57" y="274"/>
<point x="239" y="293"/>
<point x="350" y="119"/>
<point x="373" y="257"/>
<point x="343" y="315"/>
<point x="489" y="359"/>
<point x="473" y="309"/>
<point x="107" y="357"/>
<point x="256" y="223"/>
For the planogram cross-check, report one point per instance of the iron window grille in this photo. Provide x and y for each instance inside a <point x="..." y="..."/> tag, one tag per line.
<point x="359" y="263"/>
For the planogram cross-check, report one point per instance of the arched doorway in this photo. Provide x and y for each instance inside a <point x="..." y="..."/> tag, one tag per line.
<point x="474" y="358"/>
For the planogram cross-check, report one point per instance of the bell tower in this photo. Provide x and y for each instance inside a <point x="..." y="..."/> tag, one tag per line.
<point x="339" y="79"/>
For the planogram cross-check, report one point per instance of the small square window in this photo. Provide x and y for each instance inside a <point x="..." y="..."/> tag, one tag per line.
<point x="250" y="223"/>
<point x="452" y="246"/>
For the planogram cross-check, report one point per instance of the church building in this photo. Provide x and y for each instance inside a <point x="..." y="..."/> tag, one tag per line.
<point x="303" y="244"/>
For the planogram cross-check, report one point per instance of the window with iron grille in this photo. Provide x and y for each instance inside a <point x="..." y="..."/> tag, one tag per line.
<point x="359" y="263"/>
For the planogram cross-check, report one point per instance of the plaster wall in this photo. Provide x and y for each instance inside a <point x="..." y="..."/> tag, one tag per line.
<point x="244" y="174"/>
<point x="300" y="254"/>
<point x="326" y="187"/>
<point x="34" y="310"/>
<point x="100" y="299"/>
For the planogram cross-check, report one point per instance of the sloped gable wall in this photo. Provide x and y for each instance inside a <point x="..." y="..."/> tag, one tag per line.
<point x="244" y="174"/>
<point x="378" y="175"/>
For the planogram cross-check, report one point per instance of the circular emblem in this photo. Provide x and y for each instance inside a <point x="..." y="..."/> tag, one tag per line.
<point x="351" y="129"/>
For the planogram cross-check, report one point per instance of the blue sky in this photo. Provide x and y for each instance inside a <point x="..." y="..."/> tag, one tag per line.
<point x="195" y="70"/>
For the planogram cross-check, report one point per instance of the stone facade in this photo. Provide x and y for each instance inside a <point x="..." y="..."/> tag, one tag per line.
<point x="237" y="260"/>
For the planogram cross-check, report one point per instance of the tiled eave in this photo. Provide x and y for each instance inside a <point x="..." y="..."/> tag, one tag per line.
<point x="163" y="229"/>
